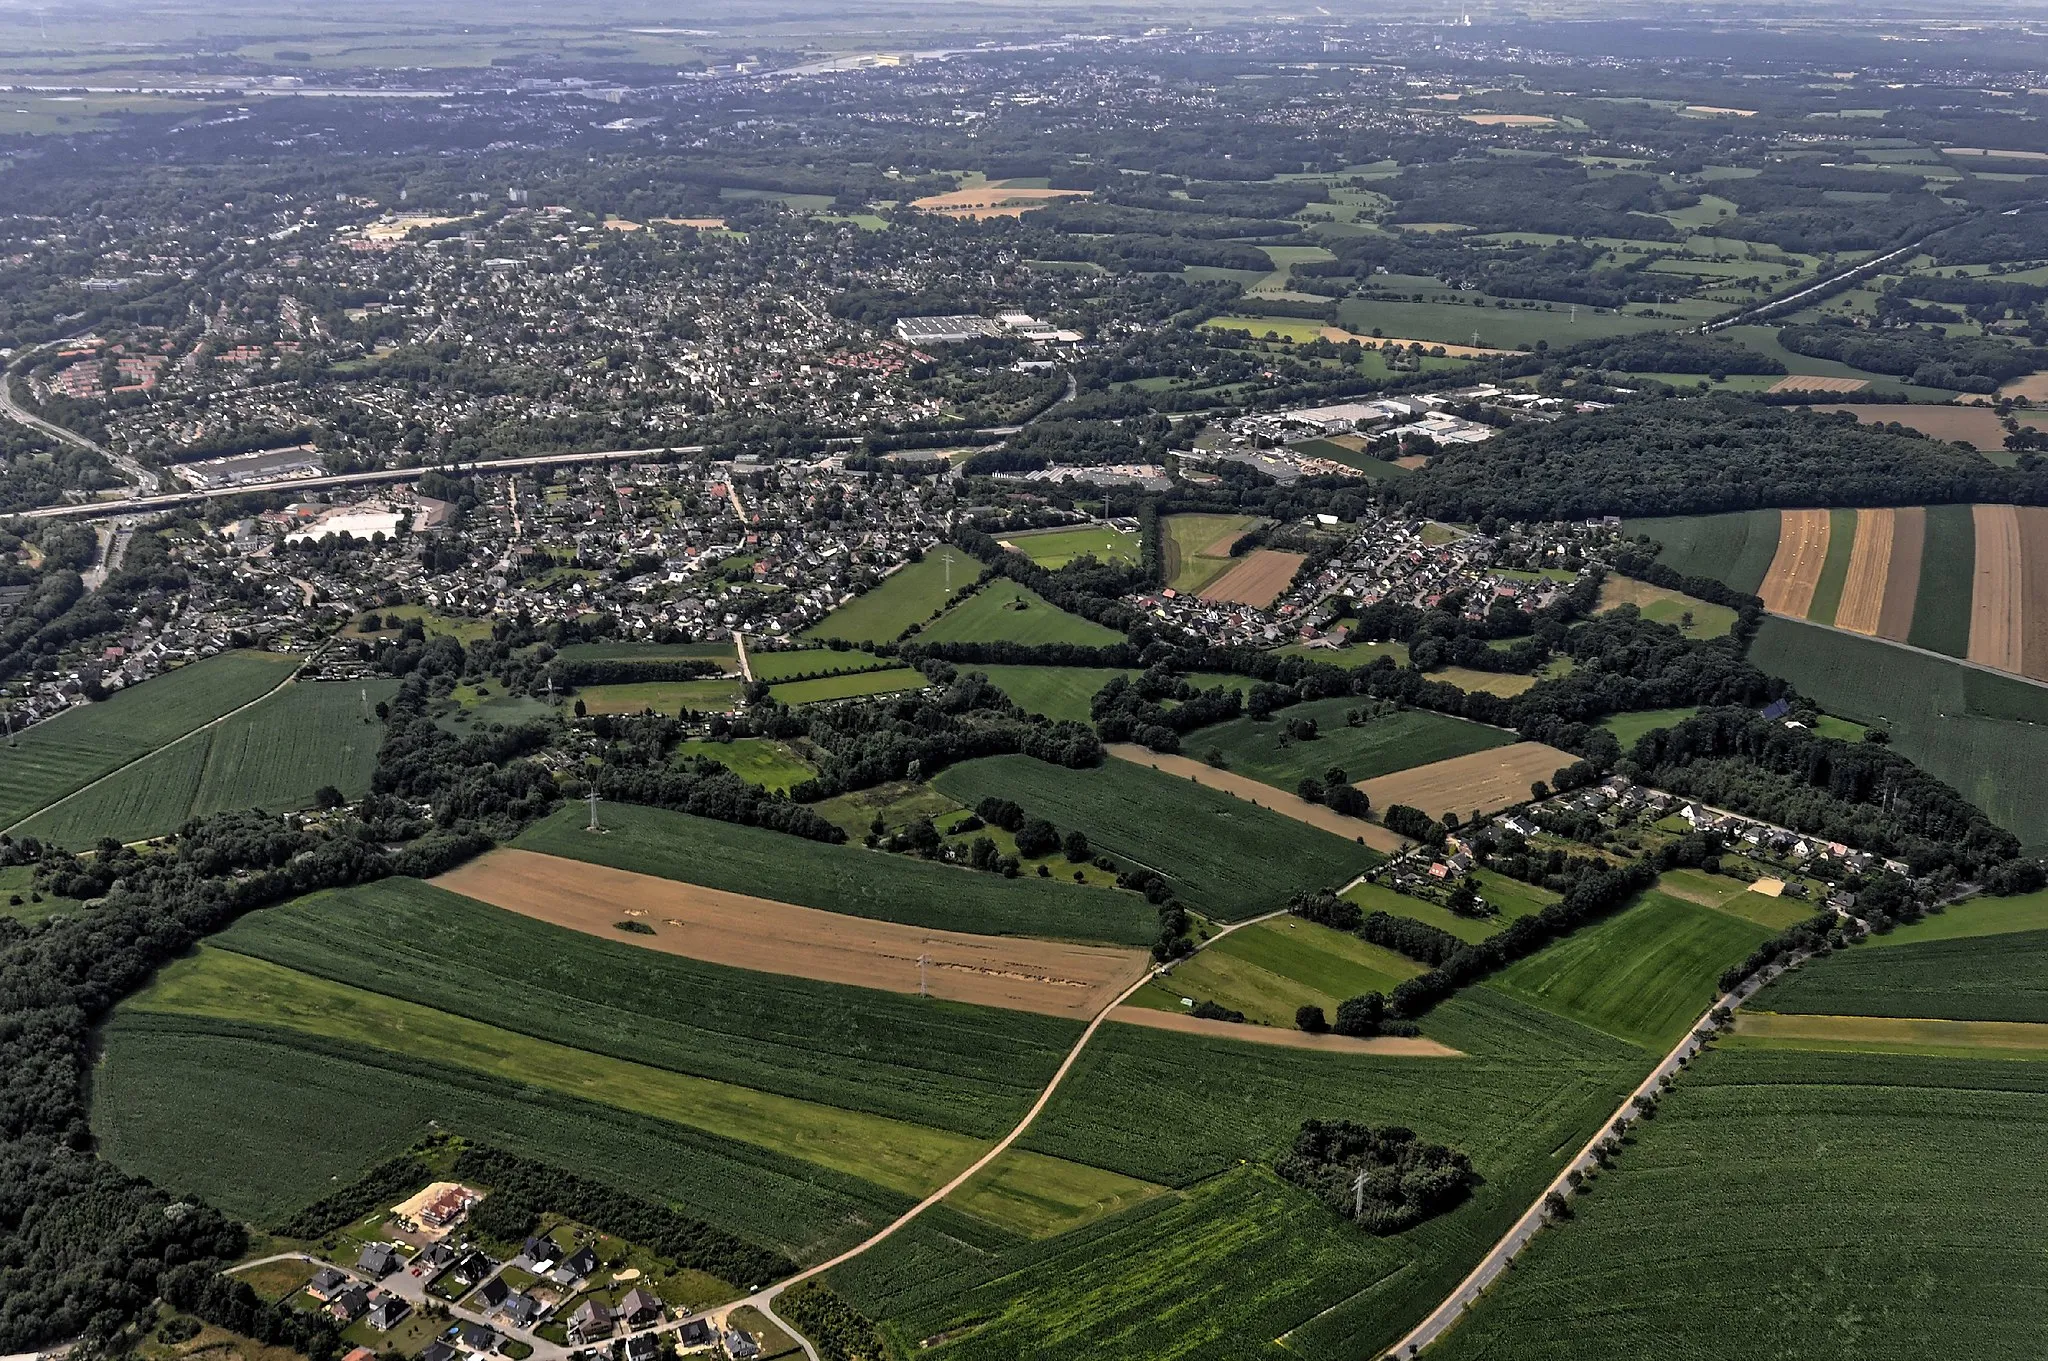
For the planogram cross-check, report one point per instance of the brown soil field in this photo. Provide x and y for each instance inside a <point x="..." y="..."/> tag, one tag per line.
<point x="1257" y="581"/>
<point x="1902" y="578"/>
<point x="1396" y="1046"/>
<point x="743" y="932"/>
<point x="1509" y="120"/>
<point x="1804" y="382"/>
<point x="1870" y="558"/>
<point x="1221" y="548"/>
<point x="2034" y="595"/>
<point x="702" y="223"/>
<point x="1283" y="801"/>
<point x="1412" y="461"/>
<point x="1976" y="426"/>
<point x="2033" y="387"/>
<point x="1795" y="570"/>
<point x="1997" y="630"/>
<point x="1486" y="780"/>
<point x="992" y="201"/>
<point x="1338" y="335"/>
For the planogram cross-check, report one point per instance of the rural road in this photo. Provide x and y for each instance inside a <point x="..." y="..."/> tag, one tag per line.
<point x="1517" y="1237"/>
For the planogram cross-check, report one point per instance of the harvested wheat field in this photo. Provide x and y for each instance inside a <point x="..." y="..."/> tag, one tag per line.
<point x="1395" y="1046"/>
<point x="1976" y="426"/>
<point x="743" y="932"/>
<point x="1997" y="631"/>
<point x="992" y="201"/>
<point x="1807" y="382"/>
<point x="2033" y="387"/>
<point x="1485" y="780"/>
<point x="1902" y="577"/>
<point x="2034" y="595"/>
<point x="1509" y="120"/>
<point x="1258" y="581"/>
<point x="1795" y="569"/>
<point x="1870" y="561"/>
<point x="1338" y="335"/>
<point x="1281" y="801"/>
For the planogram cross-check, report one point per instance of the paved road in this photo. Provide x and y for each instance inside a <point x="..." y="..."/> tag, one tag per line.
<point x="1536" y="1216"/>
<point x="144" y="479"/>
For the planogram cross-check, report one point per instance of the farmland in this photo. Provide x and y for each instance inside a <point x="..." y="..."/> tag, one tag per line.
<point x="813" y="661"/>
<point x="1692" y="617"/>
<point x="1196" y="548"/>
<point x="1055" y="548"/>
<point x="1286" y="802"/>
<point x="1004" y="611"/>
<point x="1982" y="733"/>
<point x="757" y="760"/>
<point x="1258" y="578"/>
<point x="850" y="686"/>
<point x="1269" y="970"/>
<point x="720" y="652"/>
<point x="968" y="1069"/>
<point x="1938" y="1038"/>
<point x="663" y="697"/>
<point x="1768" y="1172"/>
<point x="1488" y="780"/>
<point x="909" y="596"/>
<point x="1977" y="917"/>
<point x="1629" y="728"/>
<point x="1736" y="548"/>
<point x="1058" y="692"/>
<point x="1976" y="426"/>
<point x="1224" y="857"/>
<point x="1644" y="974"/>
<point x="1381" y="746"/>
<point x="845" y="879"/>
<point x="276" y="755"/>
<point x="742" y="931"/>
<point x="1974" y="978"/>
<point x="57" y="757"/>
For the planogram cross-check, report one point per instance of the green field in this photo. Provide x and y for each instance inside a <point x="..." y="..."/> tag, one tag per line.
<point x="1977" y="917"/>
<point x="1225" y="858"/>
<point x="1169" y="1279"/>
<point x="1971" y="978"/>
<point x="1983" y="733"/>
<point x="1736" y="548"/>
<point x="813" y="661"/>
<point x="1056" y="691"/>
<point x="1509" y="328"/>
<point x="1356" y="654"/>
<point x="1834" y="572"/>
<point x="66" y="753"/>
<point x="1183" y="537"/>
<point x="1644" y="974"/>
<point x="848" y="687"/>
<point x="1662" y="606"/>
<point x="1379" y="470"/>
<point x="1374" y="897"/>
<point x="1628" y="729"/>
<point x="1840" y="1207"/>
<point x="1004" y="611"/>
<point x="1948" y="574"/>
<point x="860" y="883"/>
<point x="663" y="697"/>
<point x="1395" y="741"/>
<point x="651" y="652"/>
<point x="276" y="756"/>
<point x="1055" y="548"/>
<point x="757" y="760"/>
<point x="908" y="596"/>
<point x="972" y="1070"/>
<point x="1269" y="970"/>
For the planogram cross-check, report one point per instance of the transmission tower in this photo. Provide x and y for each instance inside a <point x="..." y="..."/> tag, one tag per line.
<point x="1358" y="1193"/>
<point x="593" y="827"/>
<point x="923" y="988"/>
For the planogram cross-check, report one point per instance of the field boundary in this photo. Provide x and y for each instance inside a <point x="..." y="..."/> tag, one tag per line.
<point x="290" y="679"/>
<point x="1278" y="800"/>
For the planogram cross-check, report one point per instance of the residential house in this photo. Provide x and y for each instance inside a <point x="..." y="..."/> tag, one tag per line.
<point x="387" y="1311"/>
<point x="437" y="1258"/>
<point x="575" y="1267"/>
<point x="494" y="1292"/>
<point x="542" y="1253"/>
<point x="327" y="1282"/>
<point x="349" y="1304"/>
<point x="378" y="1261"/>
<point x="471" y="1268"/>
<point x="592" y="1319"/>
<point x="739" y="1346"/>
<point x="639" y="1308"/>
<point x="644" y="1347"/>
<point x="477" y="1339"/>
<point x="695" y="1333"/>
<point x="520" y="1309"/>
<point x="359" y="1354"/>
<point x="437" y="1351"/>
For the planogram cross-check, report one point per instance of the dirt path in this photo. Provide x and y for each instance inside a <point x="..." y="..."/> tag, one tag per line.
<point x="1902" y="580"/>
<point x="739" y="645"/>
<point x="2034" y="595"/>
<point x="1870" y="560"/>
<point x="1996" y="627"/>
<point x="1052" y="978"/>
<point x="1394" y="1046"/>
<point x="1795" y="569"/>
<point x="1284" y="802"/>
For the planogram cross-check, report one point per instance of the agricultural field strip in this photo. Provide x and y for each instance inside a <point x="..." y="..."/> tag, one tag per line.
<point x="1893" y="1034"/>
<point x="1795" y="570"/>
<point x="1902" y="573"/>
<point x="2034" y="594"/>
<point x="1997" y="630"/>
<point x="1495" y="778"/>
<point x="1537" y="1215"/>
<point x="290" y="676"/>
<point x="219" y="984"/>
<point x="744" y="932"/>
<point x="1282" y="801"/>
<point x="1863" y="590"/>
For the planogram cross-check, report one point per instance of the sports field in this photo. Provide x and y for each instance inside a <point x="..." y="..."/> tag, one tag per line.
<point x="1487" y="780"/>
<point x="1195" y="549"/>
<point x="1378" y="746"/>
<point x="910" y="595"/>
<point x="749" y="932"/>
<point x="1055" y="548"/>
<point x="275" y="755"/>
<point x="846" y="879"/>
<point x="1767" y="1195"/>
<point x="66" y="753"/>
<point x="1004" y="611"/>
<point x="1644" y="974"/>
<point x="1058" y="692"/>
<point x="1225" y="858"/>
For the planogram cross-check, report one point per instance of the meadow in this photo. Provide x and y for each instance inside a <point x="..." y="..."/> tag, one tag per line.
<point x="1977" y="917"/>
<point x="1055" y="548"/>
<point x="758" y="760"/>
<point x="1185" y="566"/>
<point x="1839" y="1205"/>
<point x="651" y="652"/>
<point x="663" y="697"/>
<point x="1970" y="978"/>
<point x="1058" y="692"/>
<point x="1269" y="970"/>
<point x="850" y="686"/>
<point x="1225" y="858"/>
<point x="1628" y="729"/>
<point x="1644" y="974"/>
<point x="846" y="879"/>
<point x="969" y="1069"/>
<point x="1664" y="606"/>
<point x="813" y="661"/>
<point x="1512" y="897"/>
<point x="1512" y="328"/>
<point x="1985" y="734"/>
<point x="1004" y="611"/>
<point x="276" y="756"/>
<point x="1395" y="741"/>
<point x="1735" y="548"/>
<point x="63" y="754"/>
<point x="908" y="596"/>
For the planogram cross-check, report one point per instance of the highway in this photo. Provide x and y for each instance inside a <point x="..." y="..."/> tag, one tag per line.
<point x="141" y="476"/>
